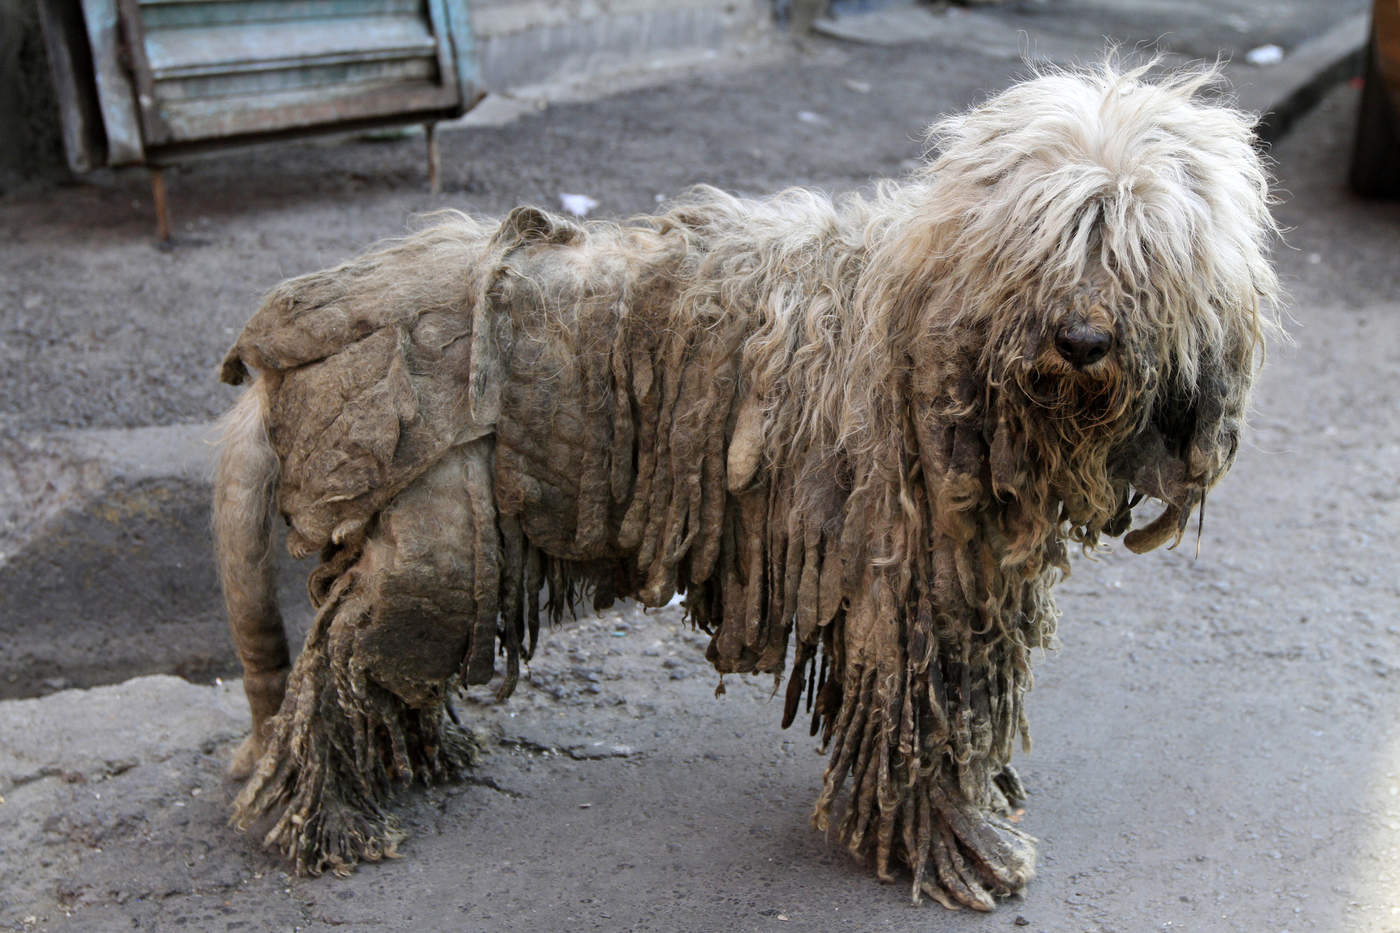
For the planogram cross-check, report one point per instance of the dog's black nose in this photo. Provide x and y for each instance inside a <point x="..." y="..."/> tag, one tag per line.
<point x="1082" y="344"/>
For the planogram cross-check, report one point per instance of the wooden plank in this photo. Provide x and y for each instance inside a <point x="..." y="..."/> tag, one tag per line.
<point x="176" y="53"/>
<point x="215" y="118"/>
<point x="364" y="74"/>
<point x="66" y="42"/>
<point x="245" y="66"/>
<point x="437" y="22"/>
<point x="115" y="93"/>
<point x="459" y="31"/>
<point x="164" y="14"/>
<point x="154" y="129"/>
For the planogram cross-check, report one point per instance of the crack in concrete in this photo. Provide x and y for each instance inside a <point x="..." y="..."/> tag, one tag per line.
<point x="24" y="780"/>
<point x="593" y="752"/>
<point x="491" y="784"/>
<point x="109" y="768"/>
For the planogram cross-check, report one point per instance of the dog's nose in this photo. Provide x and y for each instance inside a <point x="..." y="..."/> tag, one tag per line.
<point x="1082" y="344"/>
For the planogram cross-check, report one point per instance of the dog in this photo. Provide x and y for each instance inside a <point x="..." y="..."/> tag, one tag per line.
<point x="861" y="437"/>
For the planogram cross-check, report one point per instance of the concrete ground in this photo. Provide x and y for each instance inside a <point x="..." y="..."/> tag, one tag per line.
<point x="1216" y="744"/>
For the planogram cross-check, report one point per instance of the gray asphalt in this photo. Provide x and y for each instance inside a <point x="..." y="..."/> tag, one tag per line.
<point x="1216" y="742"/>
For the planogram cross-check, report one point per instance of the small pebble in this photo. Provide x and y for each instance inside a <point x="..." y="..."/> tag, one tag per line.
<point x="1264" y="55"/>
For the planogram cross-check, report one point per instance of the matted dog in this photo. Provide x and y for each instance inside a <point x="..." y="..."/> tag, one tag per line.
<point x="859" y="436"/>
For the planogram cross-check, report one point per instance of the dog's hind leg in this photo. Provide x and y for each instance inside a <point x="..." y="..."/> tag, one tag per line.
<point x="365" y="710"/>
<point x="245" y="483"/>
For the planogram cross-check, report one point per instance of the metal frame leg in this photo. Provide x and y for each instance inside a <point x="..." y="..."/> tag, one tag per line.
<point x="434" y="159"/>
<point x="162" y="203"/>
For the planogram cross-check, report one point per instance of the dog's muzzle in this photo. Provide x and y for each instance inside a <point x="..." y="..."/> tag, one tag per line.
<point x="1081" y="344"/>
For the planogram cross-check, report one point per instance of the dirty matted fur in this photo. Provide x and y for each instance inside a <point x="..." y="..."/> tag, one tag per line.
<point x="858" y="436"/>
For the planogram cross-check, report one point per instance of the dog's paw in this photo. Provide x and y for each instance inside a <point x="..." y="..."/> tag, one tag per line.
<point x="338" y="837"/>
<point x="245" y="756"/>
<point x="976" y="857"/>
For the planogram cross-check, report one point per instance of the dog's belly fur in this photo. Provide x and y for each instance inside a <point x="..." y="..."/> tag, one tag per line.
<point x="566" y="413"/>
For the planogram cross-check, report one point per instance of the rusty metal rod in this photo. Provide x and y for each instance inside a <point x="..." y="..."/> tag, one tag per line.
<point x="162" y="204"/>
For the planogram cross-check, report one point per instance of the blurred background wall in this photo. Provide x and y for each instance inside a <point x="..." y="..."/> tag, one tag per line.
<point x="30" y="144"/>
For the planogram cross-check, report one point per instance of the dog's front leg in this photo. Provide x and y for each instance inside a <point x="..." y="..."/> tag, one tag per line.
<point x="922" y="731"/>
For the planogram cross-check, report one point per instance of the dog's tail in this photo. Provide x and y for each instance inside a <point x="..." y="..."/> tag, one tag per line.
<point x="245" y="490"/>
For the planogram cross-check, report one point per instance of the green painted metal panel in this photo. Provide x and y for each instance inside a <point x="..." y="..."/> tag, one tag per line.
<point x="65" y="41"/>
<point x="190" y="50"/>
<point x="115" y="93"/>
<point x="173" y="73"/>
<point x="167" y="14"/>
<point x="459" y="30"/>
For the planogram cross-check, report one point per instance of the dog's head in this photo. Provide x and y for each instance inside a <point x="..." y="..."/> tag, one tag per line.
<point x="1104" y="237"/>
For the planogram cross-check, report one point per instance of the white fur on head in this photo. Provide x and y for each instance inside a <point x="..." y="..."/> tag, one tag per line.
<point x="1077" y="169"/>
<point x="1142" y="188"/>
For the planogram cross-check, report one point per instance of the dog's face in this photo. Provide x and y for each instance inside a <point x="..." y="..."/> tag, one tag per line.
<point x="1107" y="248"/>
<point x="1078" y="362"/>
<point x="1115" y="393"/>
<point x="1105" y="387"/>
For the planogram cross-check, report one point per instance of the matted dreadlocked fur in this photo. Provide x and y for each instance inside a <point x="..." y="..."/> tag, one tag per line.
<point x="847" y="432"/>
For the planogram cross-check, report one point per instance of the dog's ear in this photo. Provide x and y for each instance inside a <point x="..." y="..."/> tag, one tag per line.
<point x="233" y="370"/>
<point x="1198" y="423"/>
<point x="1207" y="437"/>
<point x="1191" y="441"/>
<point x="1222" y="391"/>
<point x="526" y="225"/>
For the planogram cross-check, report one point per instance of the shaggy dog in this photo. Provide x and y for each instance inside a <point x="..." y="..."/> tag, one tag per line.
<point x="859" y="437"/>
